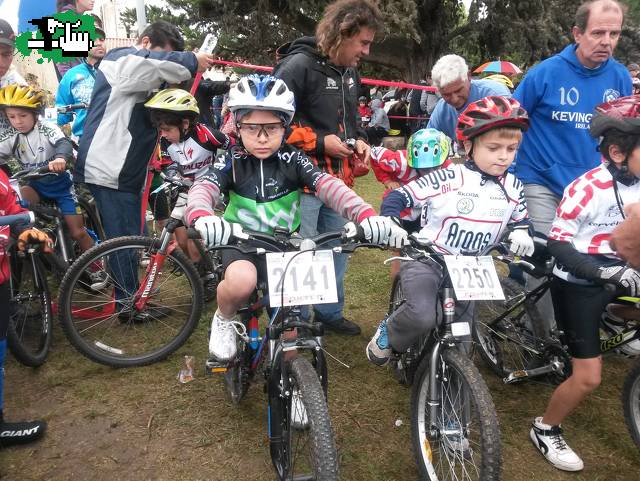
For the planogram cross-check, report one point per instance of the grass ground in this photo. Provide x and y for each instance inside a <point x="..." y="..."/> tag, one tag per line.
<point x="141" y="424"/>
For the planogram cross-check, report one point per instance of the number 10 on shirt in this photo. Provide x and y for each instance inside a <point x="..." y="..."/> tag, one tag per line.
<point x="310" y="278"/>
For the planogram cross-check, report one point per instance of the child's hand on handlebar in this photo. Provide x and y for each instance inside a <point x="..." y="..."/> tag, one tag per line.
<point x="58" y="165"/>
<point x="35" y="236"/>
<point x="383" y="230"/>
<point x="215" y="231"/>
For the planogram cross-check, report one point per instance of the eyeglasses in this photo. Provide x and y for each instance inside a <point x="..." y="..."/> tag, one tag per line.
<point x="256" y="130"/>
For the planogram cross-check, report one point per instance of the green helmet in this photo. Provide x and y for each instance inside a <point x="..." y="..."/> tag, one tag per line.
<point x="427" y="148"/>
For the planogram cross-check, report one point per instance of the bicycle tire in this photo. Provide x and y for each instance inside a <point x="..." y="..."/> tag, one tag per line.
<point x="631" y="402"/>
<point x="501" y="346"/>
<point x="478" y="437"/>
<point x="318" y="438"/>
<point x="30" y="326"/>
<point x="107" y="337"/>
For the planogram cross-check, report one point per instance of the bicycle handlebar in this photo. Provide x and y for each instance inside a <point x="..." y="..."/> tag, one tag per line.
<point x="24" y="218"/>
<point x="29" y="174"/>
<point x="286" y="241"/>
<point x="65" y="109"/>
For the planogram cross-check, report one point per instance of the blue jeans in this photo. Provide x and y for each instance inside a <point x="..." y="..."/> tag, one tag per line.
<point x="317" y="218"/>
<point x="120" y="214"/>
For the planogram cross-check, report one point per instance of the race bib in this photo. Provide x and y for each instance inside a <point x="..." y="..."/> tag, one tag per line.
<point x="474" y="278"/>
<point x="301" y="278"/>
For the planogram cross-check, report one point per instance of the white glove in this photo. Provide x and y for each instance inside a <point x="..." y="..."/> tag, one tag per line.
<point x="383" y="230"/>
<point x="521" y="242"/>
<point x="214" y="230"/>
<point x="623" y="276"/>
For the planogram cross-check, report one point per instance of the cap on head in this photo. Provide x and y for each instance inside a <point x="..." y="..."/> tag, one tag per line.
<point x="7" y="36"/>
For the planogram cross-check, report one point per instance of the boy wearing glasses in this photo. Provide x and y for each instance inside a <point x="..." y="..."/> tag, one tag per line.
<point x="262" y="180"/>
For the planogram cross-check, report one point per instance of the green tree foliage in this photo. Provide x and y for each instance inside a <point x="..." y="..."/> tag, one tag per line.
<point x="416" y="34"/>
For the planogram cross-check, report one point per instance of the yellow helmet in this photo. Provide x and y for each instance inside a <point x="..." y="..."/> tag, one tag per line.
<point x="22" y="96"/>
<point x="503" y="79"/>
<point x="174" y="100"/>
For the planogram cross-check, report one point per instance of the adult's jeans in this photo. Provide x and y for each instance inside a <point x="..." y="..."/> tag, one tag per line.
<point x="120" y="214"/>
<point x="541" y="205"/>
<point x="317" y="218"/>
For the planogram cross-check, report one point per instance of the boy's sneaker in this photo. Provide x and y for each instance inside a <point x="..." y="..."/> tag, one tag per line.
<point x="151" y="313"/>
<point x="222" y="340"/>
<point x="20" y="433"/>
<point x="549" y="441"/>
<point x="379" y="349"/>
<point x="299" y="418"/>
<point x="97" y="276"/>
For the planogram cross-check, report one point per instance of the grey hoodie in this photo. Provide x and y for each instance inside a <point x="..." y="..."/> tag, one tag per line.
<point x="379" y="116"/>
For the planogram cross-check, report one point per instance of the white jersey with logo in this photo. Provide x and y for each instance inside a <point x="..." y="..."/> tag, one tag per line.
<point x="194" y="156"/>
<point x="32" y="150"/>
<point x="589" y="212"/>
<point x="462" y="209"/>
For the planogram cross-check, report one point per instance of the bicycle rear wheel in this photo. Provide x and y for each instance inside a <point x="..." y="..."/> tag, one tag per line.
<point x="510" y="344"/>
<point x="104" y="324"/>
<point x="462" y="441"/>
<point x="298" y="451"/>
<point x="30" y="321"/>
<point x="631" y="402"/>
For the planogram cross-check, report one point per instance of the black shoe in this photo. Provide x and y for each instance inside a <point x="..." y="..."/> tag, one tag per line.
<point x="21" y="433"/>
<point x="343" y="326"/>
<point x="151" y="313"/>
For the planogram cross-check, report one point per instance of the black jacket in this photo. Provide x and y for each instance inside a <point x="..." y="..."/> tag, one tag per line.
<point x="326" y="98"/>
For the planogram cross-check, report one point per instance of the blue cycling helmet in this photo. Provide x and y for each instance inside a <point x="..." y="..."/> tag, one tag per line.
<point x="262" y="92"/>
<point x="427" y="148"/>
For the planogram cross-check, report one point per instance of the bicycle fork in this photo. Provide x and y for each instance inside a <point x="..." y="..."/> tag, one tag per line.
<point x="438" y="376"/>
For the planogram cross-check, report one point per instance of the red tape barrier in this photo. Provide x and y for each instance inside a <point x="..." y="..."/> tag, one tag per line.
<point x="365" y="81"/>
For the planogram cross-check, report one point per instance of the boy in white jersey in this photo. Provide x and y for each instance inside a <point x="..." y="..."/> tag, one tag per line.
<point x="464" y="208"/>
<point x="191" y="151"/>
<point x="591" y="208"/>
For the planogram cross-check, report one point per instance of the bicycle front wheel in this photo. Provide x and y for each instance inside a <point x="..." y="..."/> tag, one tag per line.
<point x="459" y="438"/>
<point x="105" y="324"/>
<point x="631" y="402"/>
<point x="302" y="441"/>
<point x="510" y="344"/>
<point x="30" y="317"/>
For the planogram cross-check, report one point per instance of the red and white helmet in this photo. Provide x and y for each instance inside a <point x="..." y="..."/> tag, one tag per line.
<point x="262" y="92"/>
<point x="621" y="114"/>
<point x="490" y="113"/>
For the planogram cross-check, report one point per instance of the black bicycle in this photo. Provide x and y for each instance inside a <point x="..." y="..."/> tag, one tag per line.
<point x="454" y="426"/>
<point x="301" y="439"/>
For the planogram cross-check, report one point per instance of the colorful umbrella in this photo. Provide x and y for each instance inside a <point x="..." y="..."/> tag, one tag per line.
<point x="499" y="66"/>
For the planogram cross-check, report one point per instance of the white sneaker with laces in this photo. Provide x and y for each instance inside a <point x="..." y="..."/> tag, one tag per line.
<point x="299" y="418"/>
<point x="550" y="442"/>
<point x="222" y="341"/>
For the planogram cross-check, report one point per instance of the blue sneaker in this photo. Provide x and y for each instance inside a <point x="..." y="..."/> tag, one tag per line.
<point x="379" y="349"/>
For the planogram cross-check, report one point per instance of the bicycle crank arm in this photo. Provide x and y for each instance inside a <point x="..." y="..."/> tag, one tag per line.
<point x="517" y="376"/>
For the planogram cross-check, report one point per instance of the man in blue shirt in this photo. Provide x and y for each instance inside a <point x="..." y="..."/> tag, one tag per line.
<point x="560" y="95"/>
<point x="76" y="85"/>
<point x="451" y="75"/>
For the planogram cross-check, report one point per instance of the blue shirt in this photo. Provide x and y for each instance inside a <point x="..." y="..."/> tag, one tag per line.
<point x="445" y="117"/>
<point x="76" y="86"/>
<point x="560" y="94"/>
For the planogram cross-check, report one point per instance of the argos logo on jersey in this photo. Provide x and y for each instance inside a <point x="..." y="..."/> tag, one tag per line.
<point x="438" y="180"/>
<point x="461" y="238"/>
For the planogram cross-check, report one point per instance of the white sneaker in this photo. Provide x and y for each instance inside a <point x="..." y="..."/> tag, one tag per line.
<point x="299" y="418"/>
<point x="378" y="350"/>
<point x="222" y="341"/>
<point x="549" y="441"/>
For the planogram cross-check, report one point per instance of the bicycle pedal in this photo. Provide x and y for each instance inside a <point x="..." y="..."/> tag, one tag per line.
<point x="515" y="376"/>
<point x="213" y="366"/>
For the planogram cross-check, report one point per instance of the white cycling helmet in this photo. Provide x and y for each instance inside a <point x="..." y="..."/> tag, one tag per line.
<point x="262" y="92"/>
<point x="616" y="324"/>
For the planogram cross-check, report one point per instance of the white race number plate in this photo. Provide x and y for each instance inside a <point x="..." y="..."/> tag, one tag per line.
<point x="474" y="278"/>
<point x="310" y="278"/>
